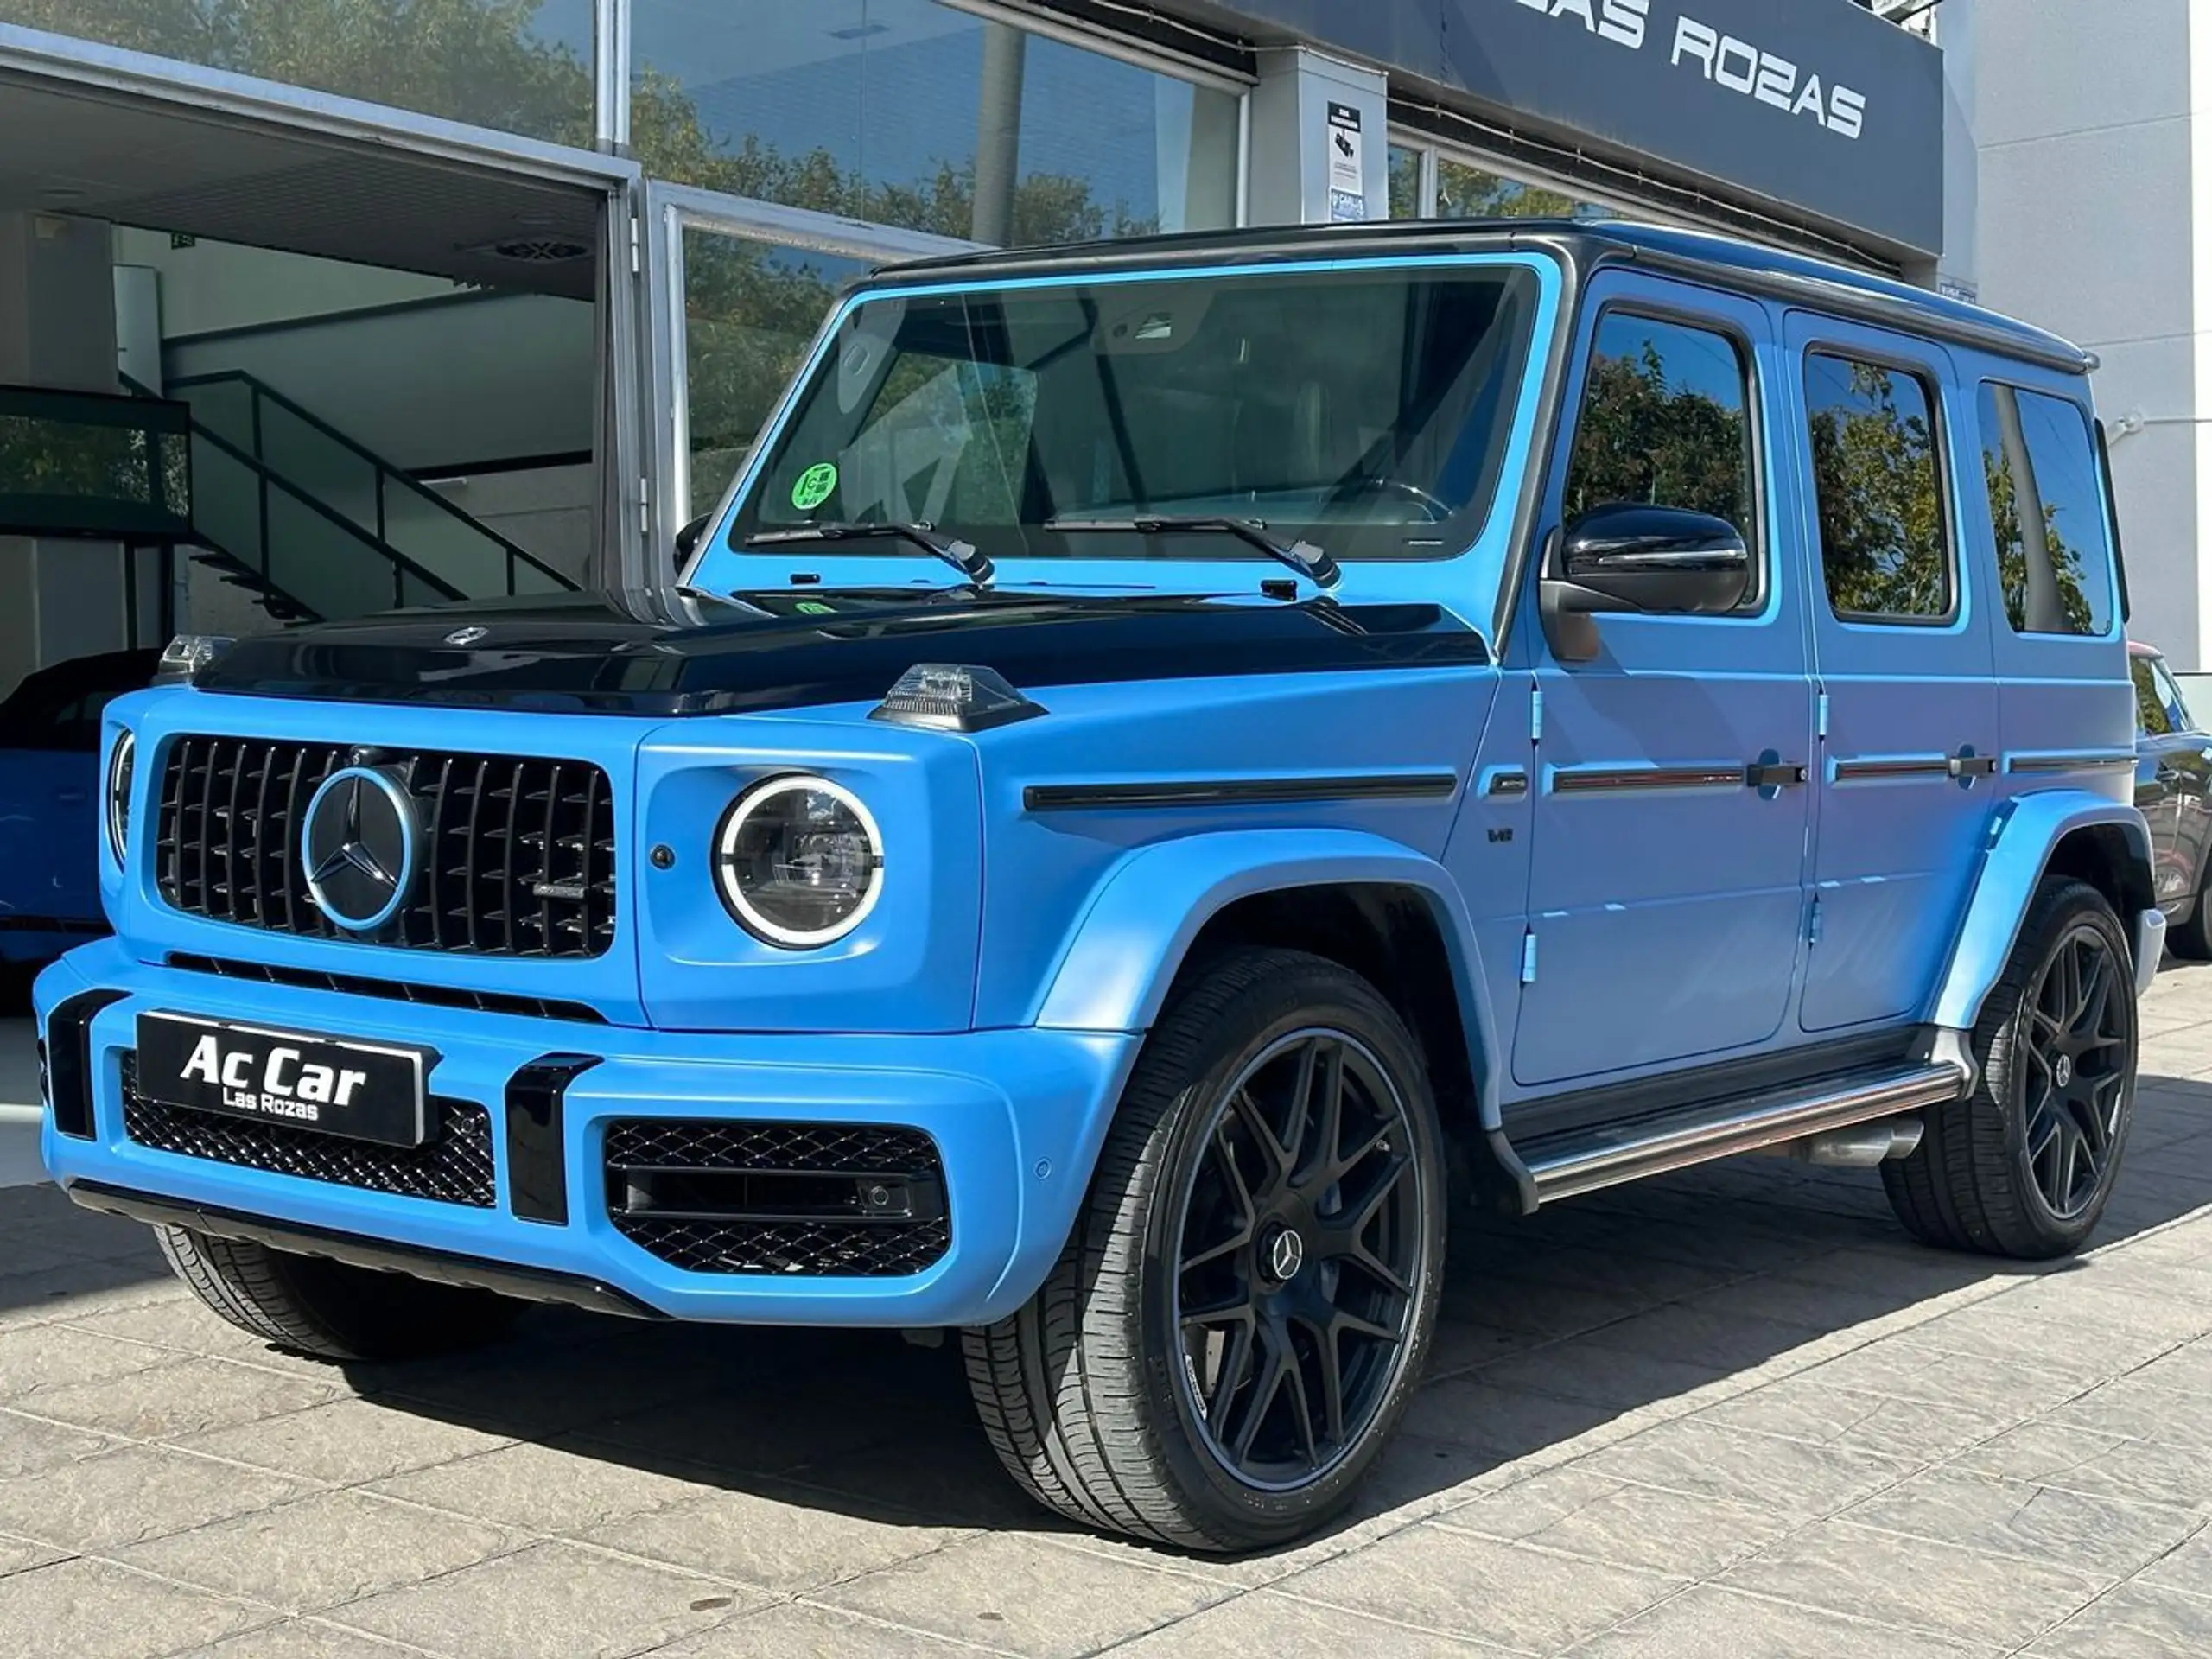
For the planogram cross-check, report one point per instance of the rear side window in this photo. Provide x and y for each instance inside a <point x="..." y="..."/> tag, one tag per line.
<point x="1885" y="543"/>
<point x="2041" y="466"/>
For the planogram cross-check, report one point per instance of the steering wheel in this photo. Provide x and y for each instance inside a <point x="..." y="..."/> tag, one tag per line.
<point x="1438" y="511"/>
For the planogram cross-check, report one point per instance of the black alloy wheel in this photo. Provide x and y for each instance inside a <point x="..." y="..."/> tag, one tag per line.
<point x="1296" y="1258"/>
<point x="1242" y="1311"/>
<point x="2024" y="1162"/>
<point x="2078" y="1042"/>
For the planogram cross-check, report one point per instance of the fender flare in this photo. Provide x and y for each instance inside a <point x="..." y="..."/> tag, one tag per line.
<point x="1126" y="948"/>
<point x="2022" y="837"/>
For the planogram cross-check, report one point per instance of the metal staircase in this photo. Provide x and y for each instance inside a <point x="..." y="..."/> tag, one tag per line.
<point x="316" y="526"/>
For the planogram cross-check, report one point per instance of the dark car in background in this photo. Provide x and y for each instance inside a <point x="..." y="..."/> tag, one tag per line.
<point x="49" y="802"/>
<point x="2173" y="787"/>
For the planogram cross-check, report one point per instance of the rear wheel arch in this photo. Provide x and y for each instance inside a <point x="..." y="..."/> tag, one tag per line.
<point x="2110" y="859"/>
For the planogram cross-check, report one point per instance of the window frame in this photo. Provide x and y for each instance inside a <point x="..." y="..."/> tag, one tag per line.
<point x="2149" y="673"/>
<point x="2116" y="586"/>
<point x="2173" y="694"/>
<point x="1758" y="537"/>
<point x="1933" y="384"/>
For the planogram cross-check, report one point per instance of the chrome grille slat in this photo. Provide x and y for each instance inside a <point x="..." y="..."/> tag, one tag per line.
<point x="518" y="818"/>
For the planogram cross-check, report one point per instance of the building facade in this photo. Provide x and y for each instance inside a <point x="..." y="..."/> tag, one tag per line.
<point x="2093" y="125"/>
<point x="485" y="295"/>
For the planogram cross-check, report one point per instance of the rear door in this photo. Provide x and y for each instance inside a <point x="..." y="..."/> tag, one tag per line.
<point x="1901" y="657"/>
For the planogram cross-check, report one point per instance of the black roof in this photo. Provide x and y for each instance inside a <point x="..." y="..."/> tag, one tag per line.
<point x="1584" y="244"/>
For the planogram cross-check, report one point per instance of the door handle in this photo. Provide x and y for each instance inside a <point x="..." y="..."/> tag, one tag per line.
<point x="1973" y="765"/>
<point x="2167" y="774"/>
<point x="1770" y="774"/>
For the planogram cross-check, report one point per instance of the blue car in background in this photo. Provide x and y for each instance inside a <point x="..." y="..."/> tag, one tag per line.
<point x="1174" y="761"/>
<point x="50" y="806"/>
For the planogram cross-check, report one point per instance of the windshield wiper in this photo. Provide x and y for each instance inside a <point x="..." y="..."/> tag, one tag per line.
<point x="962" y="556"/>
<point x="1312" y="563"/>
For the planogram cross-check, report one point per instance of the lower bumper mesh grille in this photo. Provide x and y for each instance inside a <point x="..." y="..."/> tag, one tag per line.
<point x="454" y="1168"/>
<point x="842" y="1200"/>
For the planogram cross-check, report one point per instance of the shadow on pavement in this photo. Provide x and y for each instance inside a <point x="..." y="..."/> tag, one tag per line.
<point x="1553" y="1327"/>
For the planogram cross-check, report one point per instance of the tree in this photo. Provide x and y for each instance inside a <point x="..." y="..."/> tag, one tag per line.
<point x="1880" y="507"/>
<point x="2067" y="562"/>
<point x="1641" y="439"/>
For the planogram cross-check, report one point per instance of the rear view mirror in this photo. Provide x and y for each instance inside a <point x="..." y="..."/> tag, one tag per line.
<point x="688" y="537"/>
<point x="1645" y="560"/>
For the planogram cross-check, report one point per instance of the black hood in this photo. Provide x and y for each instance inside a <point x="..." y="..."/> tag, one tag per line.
<point x="657" y="653"/>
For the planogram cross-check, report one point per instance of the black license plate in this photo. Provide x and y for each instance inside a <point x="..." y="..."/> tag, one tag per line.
<point x="360" y="1091"/>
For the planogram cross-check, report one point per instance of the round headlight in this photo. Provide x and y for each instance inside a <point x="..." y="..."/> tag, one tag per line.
<point x="120" y="762"/>
<point x="799" y="862"/>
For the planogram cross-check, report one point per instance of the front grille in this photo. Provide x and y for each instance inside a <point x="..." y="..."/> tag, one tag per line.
<point x="455" y="1167"/>
<point x="710" y="1196"/>
<point x="436" y="996"/>
<point x="517" y="857"/>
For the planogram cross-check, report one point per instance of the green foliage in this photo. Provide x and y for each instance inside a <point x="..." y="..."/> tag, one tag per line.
<point x="1643" y="440"/>
<point x="471" y="60"/>
<point x="2067" y="563"/>
<point x="1465" y="192"/>
<point x="1880" y="507"/>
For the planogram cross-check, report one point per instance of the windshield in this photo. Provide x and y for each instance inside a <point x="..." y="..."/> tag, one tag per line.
<point x="1366" y="410"/>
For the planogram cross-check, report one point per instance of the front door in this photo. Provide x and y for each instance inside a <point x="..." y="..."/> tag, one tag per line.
<point x="1665" y="897"/>
<point x="1901" y="649"/>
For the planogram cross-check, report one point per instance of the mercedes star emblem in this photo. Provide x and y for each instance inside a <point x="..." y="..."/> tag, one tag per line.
<point x="1285" y="1255"/>
<point x="357" y="846"/>
<point x="467" y="636"/>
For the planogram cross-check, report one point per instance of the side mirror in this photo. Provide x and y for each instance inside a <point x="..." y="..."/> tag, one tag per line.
<point x="1645" y="559"/>
<point x="688" y="537"/>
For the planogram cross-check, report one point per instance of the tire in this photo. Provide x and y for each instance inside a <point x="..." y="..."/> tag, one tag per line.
<point x="2191" y="938"/>
<point x="2025" y="1165"/>
<point x="1089" y="1392"/>
<point x="332" y="1310"/>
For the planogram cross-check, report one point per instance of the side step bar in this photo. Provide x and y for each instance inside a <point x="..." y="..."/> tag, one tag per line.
<point x="1627" y="1151"/>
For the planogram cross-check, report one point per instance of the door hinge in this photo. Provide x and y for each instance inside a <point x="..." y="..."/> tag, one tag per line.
<point x="1813" y="924"/>
<point x="1821" y="717"/>
<point x="1536" y="715"/>
<point x="645" y="506"/>
<point x="1528" y="958"/>
<point x="637" y="246"/>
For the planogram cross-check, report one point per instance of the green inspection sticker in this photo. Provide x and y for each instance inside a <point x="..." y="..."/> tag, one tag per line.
<point x="815" y="487"/>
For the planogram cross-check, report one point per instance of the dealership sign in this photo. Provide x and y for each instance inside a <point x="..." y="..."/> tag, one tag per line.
<point x="1818" y="107"/>
<point x="1728" y="62"/>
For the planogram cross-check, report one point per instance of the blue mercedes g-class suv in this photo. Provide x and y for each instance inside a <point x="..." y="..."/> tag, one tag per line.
<point x="1173" y="759"/>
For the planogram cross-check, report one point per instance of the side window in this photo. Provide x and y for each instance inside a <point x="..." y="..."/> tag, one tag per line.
<point x="2170" y="694"/>
<point x="1885" y="544"/>
<point x="1665" y="422"/>
<point x="2042" y="471"/>
<point x="2151" y="719"/>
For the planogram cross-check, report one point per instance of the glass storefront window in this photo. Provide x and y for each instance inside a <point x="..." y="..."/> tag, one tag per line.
<point x="750" y="310"/>
<point x="911" y="113"/>
<point x="517" y="66"/>
<point x="1465" y="192"/>
<point x="1405" y="182"/>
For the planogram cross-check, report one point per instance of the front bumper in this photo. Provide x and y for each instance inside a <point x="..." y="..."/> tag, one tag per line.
<point x="1016" y="1115"/>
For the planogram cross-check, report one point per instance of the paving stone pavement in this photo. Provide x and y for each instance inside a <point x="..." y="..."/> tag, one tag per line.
<point x="1733" y="1412"/>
